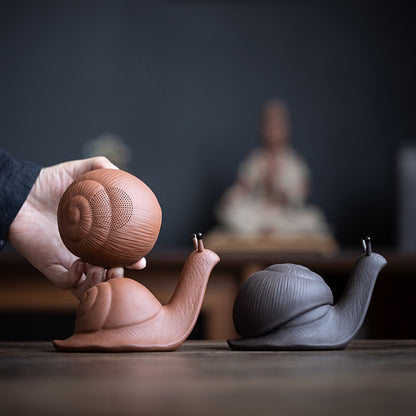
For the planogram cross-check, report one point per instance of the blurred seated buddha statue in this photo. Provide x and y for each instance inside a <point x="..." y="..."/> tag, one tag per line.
<point x="269" y="196"/>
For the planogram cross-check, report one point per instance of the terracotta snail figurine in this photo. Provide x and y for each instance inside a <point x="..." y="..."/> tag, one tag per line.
<point x="289" y="307"/>
<point x="121" y="314"/>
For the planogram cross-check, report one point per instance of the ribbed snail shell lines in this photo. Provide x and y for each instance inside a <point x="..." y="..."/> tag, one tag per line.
<point x="149" y="219"/>
<point x="109" y="218"/>
<point x="146" y="218"/>
<point x="272" y="297"/>
<point x="75" y="217"/>
<point x="85" y="207"/>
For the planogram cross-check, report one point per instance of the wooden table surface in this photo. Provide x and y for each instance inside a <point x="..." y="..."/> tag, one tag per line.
<point x="376" y="377"/>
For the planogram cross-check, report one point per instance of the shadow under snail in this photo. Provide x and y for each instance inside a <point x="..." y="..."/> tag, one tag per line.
<point x="121" y="314"/>
<point x="289" y="307"/>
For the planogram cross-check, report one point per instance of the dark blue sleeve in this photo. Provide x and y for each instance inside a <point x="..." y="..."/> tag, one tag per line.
<point x="16" y="181"/>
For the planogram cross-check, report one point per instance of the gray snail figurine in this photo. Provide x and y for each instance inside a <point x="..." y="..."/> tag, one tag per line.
<point x="289" y="307"/>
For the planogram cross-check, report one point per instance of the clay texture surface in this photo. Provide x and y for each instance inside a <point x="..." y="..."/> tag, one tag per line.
<point x="122" y="315"/>
<point x="109" y="218"/>
<point x="289" y="307"/>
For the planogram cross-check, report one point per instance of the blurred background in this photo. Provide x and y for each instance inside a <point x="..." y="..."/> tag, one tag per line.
<point x="182" y="84"/>
<point x="175" y="90"/>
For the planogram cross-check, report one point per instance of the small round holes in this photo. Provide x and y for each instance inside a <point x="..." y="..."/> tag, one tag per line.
<point x="111" y="208"/>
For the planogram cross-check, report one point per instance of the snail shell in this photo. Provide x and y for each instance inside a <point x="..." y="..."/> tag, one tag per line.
<point x="116" y="303"/>
<point x="109" y="218"/>
<point x="272" y="297"/>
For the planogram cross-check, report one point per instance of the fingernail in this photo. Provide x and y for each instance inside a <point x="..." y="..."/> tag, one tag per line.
<point x="98" y="277"/>
<point x="143" y="262"/>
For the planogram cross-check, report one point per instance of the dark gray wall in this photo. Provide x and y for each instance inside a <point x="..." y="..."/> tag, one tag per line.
<point x="183" y="82"/>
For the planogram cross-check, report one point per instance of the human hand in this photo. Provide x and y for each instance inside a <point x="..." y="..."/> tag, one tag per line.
<point x="34" y="232"/>
<point x="87" y="275"/>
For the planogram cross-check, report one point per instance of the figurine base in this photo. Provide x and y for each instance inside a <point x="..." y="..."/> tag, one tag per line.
<point x="241" y="345"/>
<point x="108" y="342"/>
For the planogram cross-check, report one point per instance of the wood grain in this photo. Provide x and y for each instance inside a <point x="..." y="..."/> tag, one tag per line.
<point x="376" y="377"/>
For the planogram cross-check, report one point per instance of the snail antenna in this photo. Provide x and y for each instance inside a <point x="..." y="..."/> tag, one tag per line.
<point x="200" y="243"/>
<point x="366" y="244"/>
<point x="195" y="241"/>
<point x="363" y="245"/>
<point x="369" y="250"/>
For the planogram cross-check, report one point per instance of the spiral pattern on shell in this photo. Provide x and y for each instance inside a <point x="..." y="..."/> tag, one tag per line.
<point x="116" y="303"/>
<point x="271" y="297"/>
<point x="109" y="218"/>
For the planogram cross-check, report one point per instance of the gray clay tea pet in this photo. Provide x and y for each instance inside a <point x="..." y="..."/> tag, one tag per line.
<point x="289" y="307"/>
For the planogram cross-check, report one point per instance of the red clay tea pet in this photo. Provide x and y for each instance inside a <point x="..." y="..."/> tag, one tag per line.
<point x="110" y="218"/>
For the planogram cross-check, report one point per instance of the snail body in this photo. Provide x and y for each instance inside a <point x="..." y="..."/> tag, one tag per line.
<point x="289" y="307"/>
<point x="123" y="315"/>
<point x="109" y="218"/>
